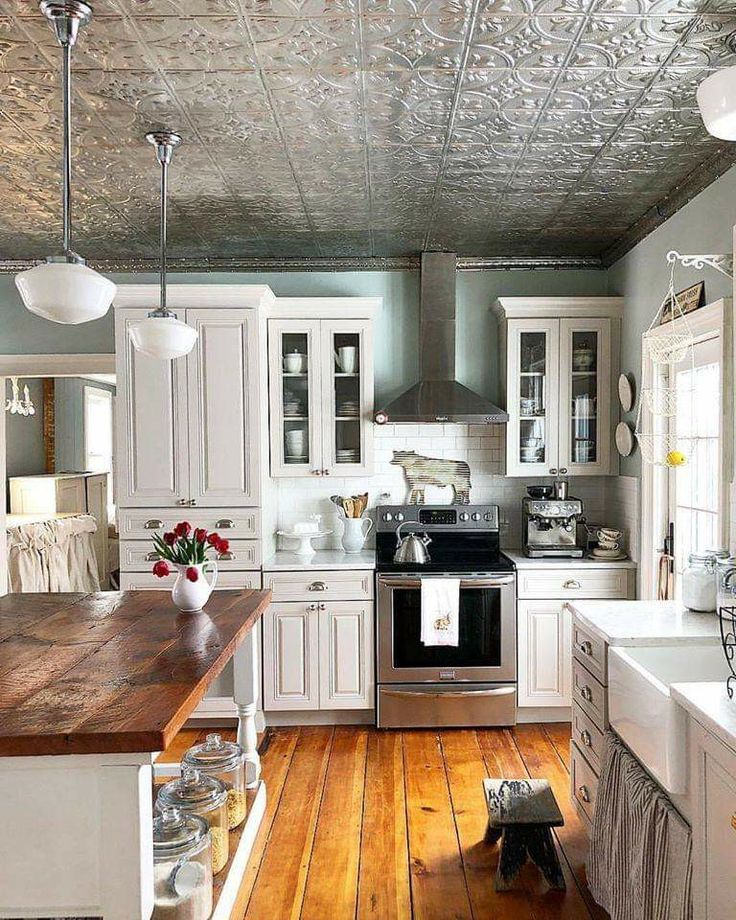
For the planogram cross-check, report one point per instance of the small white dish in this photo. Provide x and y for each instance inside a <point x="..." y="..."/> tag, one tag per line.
<point x="624" y="438"/>
<point x="625" y="393"/>
<point x="304" y="547"/>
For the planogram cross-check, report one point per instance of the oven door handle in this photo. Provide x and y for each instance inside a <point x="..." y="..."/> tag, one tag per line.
<point x="464" y="582"/>
<point x="449" y="694"/>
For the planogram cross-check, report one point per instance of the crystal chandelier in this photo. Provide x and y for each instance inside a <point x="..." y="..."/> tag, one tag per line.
<point x="63" y="289"/>
<point x="17" y="406"/>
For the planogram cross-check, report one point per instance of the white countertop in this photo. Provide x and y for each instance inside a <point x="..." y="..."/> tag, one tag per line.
<point x="327" y="559"/>
<point x="708" y="704"/>
<point x="563" y="562"/>
<point x="647" y="622"/>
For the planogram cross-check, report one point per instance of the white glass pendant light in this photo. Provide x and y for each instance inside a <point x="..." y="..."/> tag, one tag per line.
<point x="63" y="289"/>
<point x="717" y="103"/>
<point x="161" y="334"/>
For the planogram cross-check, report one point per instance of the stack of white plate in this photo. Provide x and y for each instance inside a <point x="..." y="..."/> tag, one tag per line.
<point x="350" y="408"/>
<point x="348" y="455"/>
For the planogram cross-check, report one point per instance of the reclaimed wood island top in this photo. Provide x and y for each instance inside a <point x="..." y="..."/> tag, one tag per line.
<point x="111" y="672"/>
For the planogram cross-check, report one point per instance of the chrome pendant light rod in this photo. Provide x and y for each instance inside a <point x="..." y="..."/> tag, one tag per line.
<point x="165" y="142"/>
<point x="66" y="17"/>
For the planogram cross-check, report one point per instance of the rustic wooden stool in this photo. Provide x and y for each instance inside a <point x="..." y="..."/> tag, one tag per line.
<point x="522" y="812"/>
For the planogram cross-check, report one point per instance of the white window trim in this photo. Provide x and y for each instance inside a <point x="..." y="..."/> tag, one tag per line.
<point x="714" y="319"/>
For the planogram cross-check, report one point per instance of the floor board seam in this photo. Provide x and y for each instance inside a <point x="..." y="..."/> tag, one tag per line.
<point x="314" y="829"/>
<point x="362" y="827"/>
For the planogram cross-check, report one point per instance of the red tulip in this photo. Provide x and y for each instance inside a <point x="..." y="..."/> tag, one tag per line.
<point x="170" y="538"/>
<point x="192" y="574"/>
<point x="183" y="529"/>
<point x="200" y="534"/>
<point x="161" y="569"/>
<point x="213" y="539"/>
<point x="222" y="546"/>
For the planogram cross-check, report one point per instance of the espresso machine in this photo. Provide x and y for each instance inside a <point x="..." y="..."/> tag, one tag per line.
<point x="549" y="527"/>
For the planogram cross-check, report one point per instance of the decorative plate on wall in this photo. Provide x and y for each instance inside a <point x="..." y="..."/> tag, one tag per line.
<point x="624" y="439"/>
<point x="625" y="392"/>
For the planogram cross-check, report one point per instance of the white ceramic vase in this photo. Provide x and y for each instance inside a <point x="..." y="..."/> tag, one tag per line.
<point x="354" y="534"/>
<point x="190" y="596"/>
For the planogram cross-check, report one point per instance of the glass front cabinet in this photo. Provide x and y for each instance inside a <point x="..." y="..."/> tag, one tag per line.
<point x="321" y="391"/>
<point x="559" y="392"/>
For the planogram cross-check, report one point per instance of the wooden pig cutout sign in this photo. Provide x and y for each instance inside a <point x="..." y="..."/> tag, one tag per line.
<point x="421" y="472"/>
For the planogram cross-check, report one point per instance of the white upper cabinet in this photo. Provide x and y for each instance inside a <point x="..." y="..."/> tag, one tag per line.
<point x="321" y="396"/>
<point x="560" y="367"/>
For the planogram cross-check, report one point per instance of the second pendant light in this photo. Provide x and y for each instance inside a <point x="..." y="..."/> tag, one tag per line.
<point x="161" y="334"/>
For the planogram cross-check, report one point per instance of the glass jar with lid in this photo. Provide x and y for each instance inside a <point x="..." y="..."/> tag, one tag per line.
<point x="182" y="867"/>
<point x="699" y="582"/>
<point x="195" y="793"/>
<point x="726" y="581"/>
<point x="225" y="760"/>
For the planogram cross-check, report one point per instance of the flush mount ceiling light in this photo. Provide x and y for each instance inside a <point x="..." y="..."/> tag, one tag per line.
<point x="63" y="289"/>
<point x="161" y="334"/>
<point x="717" y="103"/>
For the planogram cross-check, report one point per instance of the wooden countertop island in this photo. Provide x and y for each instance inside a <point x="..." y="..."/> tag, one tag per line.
<point x="92" y="687"/>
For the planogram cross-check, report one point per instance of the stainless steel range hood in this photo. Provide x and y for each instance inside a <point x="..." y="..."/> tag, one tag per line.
<point x="438" y="397"/>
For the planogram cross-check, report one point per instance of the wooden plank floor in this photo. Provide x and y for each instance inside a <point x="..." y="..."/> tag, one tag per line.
<point x="383" y="825"/>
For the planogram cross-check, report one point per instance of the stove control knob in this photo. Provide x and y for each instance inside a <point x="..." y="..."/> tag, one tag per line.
<point x="388" y="517"/>
<point x="398" y="516"/>
<point x="555" y="509"/>
<point x="475" y="515"/>
<point x="488" y="516"/>
<point x="464" y="515"/>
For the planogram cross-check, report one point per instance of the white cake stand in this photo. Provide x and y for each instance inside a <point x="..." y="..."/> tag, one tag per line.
<point x="305" y="547"/>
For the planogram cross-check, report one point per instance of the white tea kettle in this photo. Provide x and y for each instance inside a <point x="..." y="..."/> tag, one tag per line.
<point x="411" y="549"/>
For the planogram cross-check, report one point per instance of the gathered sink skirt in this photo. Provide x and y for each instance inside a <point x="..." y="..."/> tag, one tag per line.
<point x="53" y="555"/>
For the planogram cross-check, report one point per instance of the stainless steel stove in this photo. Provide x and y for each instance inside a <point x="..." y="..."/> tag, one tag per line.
<point x="473" y="683"/>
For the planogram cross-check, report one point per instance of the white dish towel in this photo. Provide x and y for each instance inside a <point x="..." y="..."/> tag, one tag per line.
<point x="440" y="611"/>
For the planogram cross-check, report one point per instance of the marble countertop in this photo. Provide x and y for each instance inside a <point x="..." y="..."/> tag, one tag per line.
<point x="647" y="622"/>
<point x="327" y="559"/>
<point x="708" y="704"/>
<point x="560" y="562"/>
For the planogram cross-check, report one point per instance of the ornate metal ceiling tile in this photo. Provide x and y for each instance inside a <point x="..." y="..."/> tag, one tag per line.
<point x="578" y="127"/>
<point x="614" y="42"/>
<point x="300" y="9"/>
<point x="715" y="38"/>
<point x="647" y="126"/>
<point x="320" y="43"/>
<point x="18" y="51"/>
<point x="318" y="104"/>
<point x="195" y="43"/>
<point x="172" y="7"/>
<point x="523" y="42"/>
<point x="403" y="43"/>
<point x="408" y="107"/>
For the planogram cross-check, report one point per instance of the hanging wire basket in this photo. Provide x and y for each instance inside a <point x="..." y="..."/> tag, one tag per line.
<point x="662" y="449"/>
<point x="661" y="401"/>
<point x="669" y="338"/>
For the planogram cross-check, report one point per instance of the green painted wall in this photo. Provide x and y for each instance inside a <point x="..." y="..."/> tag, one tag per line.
<point x="26" y="454"/>
<point x="397" y="329"/>
<point x="69" y="421"/>
<point x="642" y="275"/>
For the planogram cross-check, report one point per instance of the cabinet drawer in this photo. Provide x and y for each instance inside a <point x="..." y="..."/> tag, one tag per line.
<point x="569" y="582"/>
<point x="137" y="556"/>
<point x="590" y="650"/>
<point x="583" y="781"/>
<point x="320" y="585"/>
<point x="140" y="523"/>
<point x="587" y="736"/>
<point x="147" y="581"/>
<point x="590" y="695"/>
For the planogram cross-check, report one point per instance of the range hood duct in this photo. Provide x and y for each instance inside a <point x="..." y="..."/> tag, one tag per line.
<point x="438" y="397"/>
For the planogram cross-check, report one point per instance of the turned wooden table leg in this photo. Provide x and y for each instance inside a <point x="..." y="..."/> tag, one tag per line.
<point x="246" y="683"/>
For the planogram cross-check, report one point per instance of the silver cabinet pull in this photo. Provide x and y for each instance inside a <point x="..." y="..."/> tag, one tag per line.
<point x="153" y="524"/>
<point x="312" y="608"/>
<point x="586" y="693"/>
<point x="450" y="694"/>
<point x="571" y="584"/>
<point x="317" y="472"/>
<point x="152" y="557"/>
<point x="192" y="502"/>
<point x="317" y="586"/>
<point x="224" y="524"/>
<point x="585" y="738"/>
<point x="584" y="794"/>
<point x="182" y="501"/>
<point x="325" y="472"/>
<point x="563" y="470"/>
<point x="553" y="471"/>
<point x="586" y="648"/>
<point x="226" y="557"/>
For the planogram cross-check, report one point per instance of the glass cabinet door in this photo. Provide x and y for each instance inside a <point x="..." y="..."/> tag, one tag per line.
<point x="347" y="396"/>
<point x="533" y="376"/>
<point x="294" y="363"/>
<point x="585" y="369"/>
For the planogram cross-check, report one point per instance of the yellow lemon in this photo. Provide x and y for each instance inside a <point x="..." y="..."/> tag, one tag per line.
<point x="675" y="458"/>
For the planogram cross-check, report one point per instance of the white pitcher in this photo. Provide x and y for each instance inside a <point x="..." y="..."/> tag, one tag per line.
<point x="190" y="596"/>
<point x="353" y="535"/>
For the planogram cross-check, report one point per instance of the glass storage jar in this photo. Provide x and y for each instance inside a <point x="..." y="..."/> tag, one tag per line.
<point x="699" y="582"/>
<point x="195" y="793"/>
<point x="223" y="759"/>
<point x="182" y="867"/>
<point x="726" y="581"/>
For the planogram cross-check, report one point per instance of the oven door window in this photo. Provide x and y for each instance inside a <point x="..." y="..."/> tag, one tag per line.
<point x="479" y="634"/>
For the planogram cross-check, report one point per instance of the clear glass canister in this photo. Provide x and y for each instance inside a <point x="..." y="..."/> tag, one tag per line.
<point x="195" y="793"/>
<point x="182" y="867"/>
<point x="726" y="581"/>
<point x="699" y="582"/>
<point x="223" y="759"/>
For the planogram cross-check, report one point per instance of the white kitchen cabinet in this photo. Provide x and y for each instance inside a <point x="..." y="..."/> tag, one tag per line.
<point x="544" y="639"/>
<point x="186" y="428"/>
<point x="321" y="396"/>
<point x="714" y="827"/>
<point x="291" y="657"/>
<point x="559" y="380"/>
<point x="346" y="655"/>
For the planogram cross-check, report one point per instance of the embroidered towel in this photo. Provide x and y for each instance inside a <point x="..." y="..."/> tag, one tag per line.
<point x="440" y="611"/>
<point x="640" y="865"/>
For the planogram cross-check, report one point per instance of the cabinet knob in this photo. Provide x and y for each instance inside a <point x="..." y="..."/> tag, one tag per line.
<point x="325" y="472"/>
<point x="317" y="586"/>
<point x="182" y="501"/>
<point x="153" y="524"/>
<point x="312" y="608"/>
<point x="553" y="471"/>
<point x="586" y="648"/>
<point x="571" y="583"/>
<point x="585" y="737"/>
<point x="583" y="793"/>
<point x="563" y="470"/>
<point x="152" y="557"/>
<point x="317" y="472"/>
<point x="224" y="524"/>
<point x="586" y="693"/>
<point x="192" y="502"/>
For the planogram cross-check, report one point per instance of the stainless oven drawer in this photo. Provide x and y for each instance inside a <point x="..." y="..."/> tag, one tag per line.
<point x="443" y="706"/>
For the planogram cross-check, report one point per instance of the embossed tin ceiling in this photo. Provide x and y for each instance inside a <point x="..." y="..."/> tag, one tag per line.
<point x="326" y="128"/>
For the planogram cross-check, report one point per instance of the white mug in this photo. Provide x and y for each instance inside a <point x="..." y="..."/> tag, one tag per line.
<point x="353" y="535"/>
<point x="294" y="363"/>
<point x="346" y="356"/>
